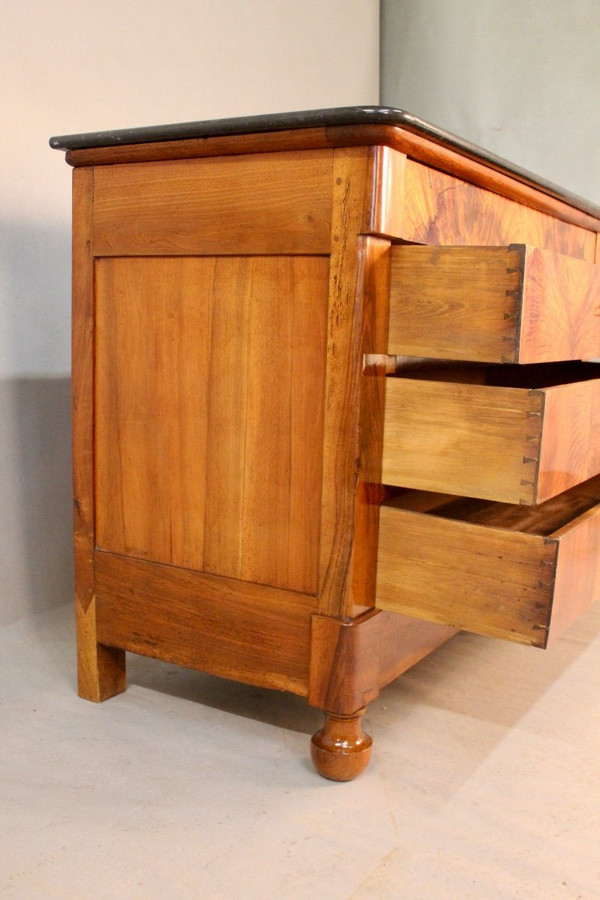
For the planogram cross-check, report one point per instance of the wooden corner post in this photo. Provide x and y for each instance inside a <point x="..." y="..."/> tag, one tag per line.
<point x="101" y="669"/>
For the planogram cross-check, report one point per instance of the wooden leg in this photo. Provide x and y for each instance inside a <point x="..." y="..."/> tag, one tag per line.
<point x="100" y="669"/>
<point x="341" y="750"/>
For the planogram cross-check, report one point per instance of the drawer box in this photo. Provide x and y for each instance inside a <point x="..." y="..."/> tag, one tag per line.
<point x="515" y="434"/>
<point x="513" y="572"/>
<point x="493" y="304"/>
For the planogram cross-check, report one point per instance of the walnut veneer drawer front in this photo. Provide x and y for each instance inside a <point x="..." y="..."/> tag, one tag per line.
<point x="493" y="304"/>
<point x="516" y="434"/>
<point x="520" y="573"/>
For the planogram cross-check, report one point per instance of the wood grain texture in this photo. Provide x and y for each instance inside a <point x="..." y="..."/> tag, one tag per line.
<point x="469" y="439"/>
<point x="578" y="572"/>
<point x="200" y="148"/>
<point x="357" y="324"/>
<point x="387" y="196"/>
<point x="507" y="443"/>
<point x="494" y="304"/>
<point x="498" y="570"/>
<point x="486" y="580"/>
<point x="435" y="156"/>
<point x="235" y="630"/>
<point x="352" y="659"/>
<point x="414" y="146"/>
<point x="456" y="302"/>
<point x="373" y="287"/>
<point x="341" y="750"/>
<point x="561" y="308"/>
<point x="570" y="447"/>
<point x="209" y="400"/>
<point x="82" y="391"/>
<point x="100" y="669"/>
<point x="245" y="204"/>
<point x="441" y="209"/>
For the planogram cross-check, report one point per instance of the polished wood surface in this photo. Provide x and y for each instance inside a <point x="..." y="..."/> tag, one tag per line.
<point x="455" y="302"/>
<point x="441" y="209"/>
<point x="220" y="625"/>
<point x="100" y="669"/>
<point x="236" y="432"/>
<point x="209" y="452"/>
<point x="354" y="327"/>
<point x="502" y="572"/>
<point x="387" y="196"/>
<point x="493" y="304"/>
<point x="519" y="443"/>
<point x="341" y="750"/>
<point x="352" y="659"/>
<point x="247" y="204"/>
<point x="432" y="154"/>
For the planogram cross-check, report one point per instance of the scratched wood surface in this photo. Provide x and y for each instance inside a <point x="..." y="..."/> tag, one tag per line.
<point x="209" y="413"/>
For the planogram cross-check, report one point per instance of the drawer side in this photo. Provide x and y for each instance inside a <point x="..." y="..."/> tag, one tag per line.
<point x="486" y="580"/>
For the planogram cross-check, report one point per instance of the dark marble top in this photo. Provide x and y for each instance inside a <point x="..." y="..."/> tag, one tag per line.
<point x="349" y="115"/>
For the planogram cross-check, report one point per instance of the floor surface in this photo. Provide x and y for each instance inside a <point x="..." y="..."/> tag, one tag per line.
<point x="484" y="781"/>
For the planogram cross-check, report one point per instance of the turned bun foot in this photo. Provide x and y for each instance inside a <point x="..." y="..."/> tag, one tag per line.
<point x="341" y="750"/>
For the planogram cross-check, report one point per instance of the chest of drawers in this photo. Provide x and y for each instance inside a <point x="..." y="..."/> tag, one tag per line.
<point x="330" y="404"/>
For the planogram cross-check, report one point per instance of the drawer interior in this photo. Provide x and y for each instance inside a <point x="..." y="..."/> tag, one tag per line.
<point x="535" y="376"/>
<point x="544" y="520"/>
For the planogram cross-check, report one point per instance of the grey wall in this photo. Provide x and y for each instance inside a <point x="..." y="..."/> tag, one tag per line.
<point x="68" y="67"/>
<point x="519" y="77"/>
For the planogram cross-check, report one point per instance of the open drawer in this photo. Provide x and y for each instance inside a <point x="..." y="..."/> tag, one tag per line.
<point x="513" y="572"/>
<point x="493" y="304"/>
<point x="515" y="434"/>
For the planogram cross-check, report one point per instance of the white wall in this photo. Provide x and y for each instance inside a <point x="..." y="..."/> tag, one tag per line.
<point x="519" y="77"/>
<point x="69" y="66"/>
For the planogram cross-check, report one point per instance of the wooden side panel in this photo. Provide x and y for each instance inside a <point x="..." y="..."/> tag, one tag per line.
<point x="485" y="580"/>
<point x="100" y="669"/>
<point x="252" y="634"/>
<point x="561" y="308"/>
<point x="265" y="203"/>
<point x="578" y="576"/>
<point x="455" y="302"/>
<point x="441" y="209"/>
<point x="469" y="439"/>
<point x="570" y="448"/>
<point x="210" y="403"/>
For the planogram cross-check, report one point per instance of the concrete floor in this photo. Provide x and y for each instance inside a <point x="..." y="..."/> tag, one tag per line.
<point x="484" y="782"/>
